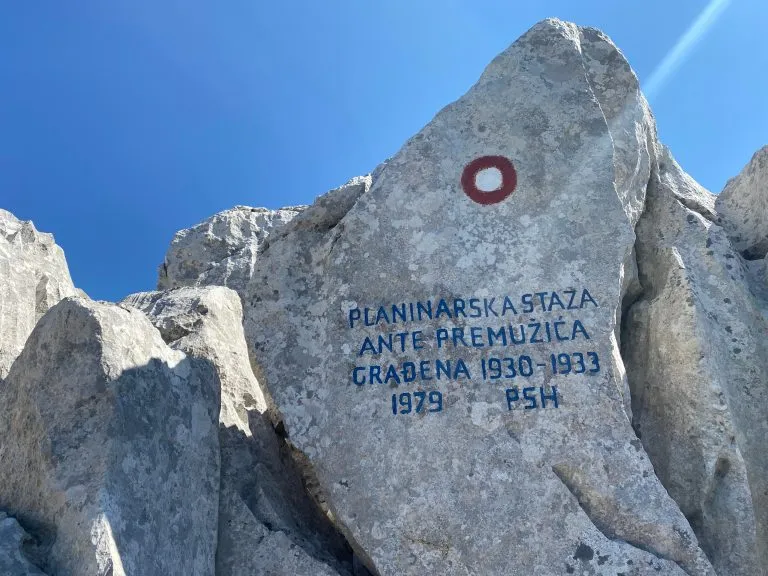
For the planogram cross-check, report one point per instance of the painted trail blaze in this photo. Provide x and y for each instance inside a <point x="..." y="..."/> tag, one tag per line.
<point x="505" y="188"/>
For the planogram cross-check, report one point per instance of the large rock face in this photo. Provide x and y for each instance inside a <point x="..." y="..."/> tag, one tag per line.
<point x="33" y="277"/>
<point x="441" y="348"/>
<point x="222" y="249"/>
<point x="695" y="347"/>
<point x="109" y="446"/>
<point x="267" y="523"/>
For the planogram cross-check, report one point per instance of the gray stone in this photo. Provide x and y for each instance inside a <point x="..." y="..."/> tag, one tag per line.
<point x="33" y="277"/>
<point x="629" y="119"/>
<point x="249" y="548"/>
<point x="267" y="523"/>
<point x="743" y="207"/>
<point x="207" y="322"/>
<point x="222" y="249"/>
<point x="461" y="484"/>
<point x="695" y="350"/>
<point x="109" y="446"/>
<point x="13" y="561"/>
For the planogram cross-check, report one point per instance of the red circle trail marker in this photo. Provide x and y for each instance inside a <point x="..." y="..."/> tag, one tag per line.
<point x="505" y="188"/>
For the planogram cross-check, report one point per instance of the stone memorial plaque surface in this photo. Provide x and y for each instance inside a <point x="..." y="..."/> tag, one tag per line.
<point x="442" y="351"/>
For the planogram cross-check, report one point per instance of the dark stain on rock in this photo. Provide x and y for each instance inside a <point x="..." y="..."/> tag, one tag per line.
<point x="722" y="467"/>
<point x="584" y="552"/>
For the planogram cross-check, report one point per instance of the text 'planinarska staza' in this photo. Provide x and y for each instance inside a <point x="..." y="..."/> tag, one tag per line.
<point x="532" y="318"/>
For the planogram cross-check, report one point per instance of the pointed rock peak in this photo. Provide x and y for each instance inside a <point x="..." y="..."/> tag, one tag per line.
<point x="443" y="355"/>
<point x="33" y="277"/>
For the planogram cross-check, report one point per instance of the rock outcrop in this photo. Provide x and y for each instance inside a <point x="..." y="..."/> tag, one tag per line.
<point x="33" y="277"/>
<point x="108" y="446"/>
<point x="222" y="249"/>
<point x="529" y="343"/>
<point x="447" y="361"/>
<point x="742" y="208"/>
<point x="207" y="323"/>
<point x="695" y="348"/>
<point x="267" y="525"/>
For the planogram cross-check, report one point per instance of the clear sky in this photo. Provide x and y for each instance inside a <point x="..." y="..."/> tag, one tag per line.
<point x="124" y="121"/>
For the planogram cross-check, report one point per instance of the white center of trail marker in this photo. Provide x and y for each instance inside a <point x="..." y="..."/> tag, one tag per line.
<point x="489" y="179"/>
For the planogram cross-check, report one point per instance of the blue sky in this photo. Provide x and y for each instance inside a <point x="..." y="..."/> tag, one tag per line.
<point x="124" y="121"/>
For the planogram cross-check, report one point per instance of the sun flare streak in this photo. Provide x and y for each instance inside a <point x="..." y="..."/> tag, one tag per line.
<point x="683" y="47"/>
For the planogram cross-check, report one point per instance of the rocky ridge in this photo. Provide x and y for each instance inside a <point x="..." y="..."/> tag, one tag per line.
<point x="35" y="277"/>
<point x="348" y="407"/>
<point x="221" y="250"/>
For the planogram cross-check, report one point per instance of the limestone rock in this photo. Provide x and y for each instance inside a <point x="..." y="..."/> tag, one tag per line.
<point x="267" y="523"/>
<point x="743" y="207"/>
<point x="520" y="458"/>
<point x="222" y="249"/>
<point x="13" y="561"/>
<point x="627" y="114"/>
<point x="33" y="277"/>
<point x="207" y="323"/>
<point x="249" y="548"/>
<point x="695" y="347"/>
<point x="109" y="445"/>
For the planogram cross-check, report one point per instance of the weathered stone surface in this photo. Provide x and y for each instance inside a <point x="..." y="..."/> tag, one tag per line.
<point x="249" y="548"/>
<point x="627" y="114"/>
<point x="109" y="445"/>
<point x="207" y="323"/>
<point x="743" y="207"/>
<point x="13" y="561"/>
<point x="462" y="484"/>
<point x="33" y="277"/>
<point x="222" y="249"/>
<point x="267" y="523"/>
<point x="695" y="348"/>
